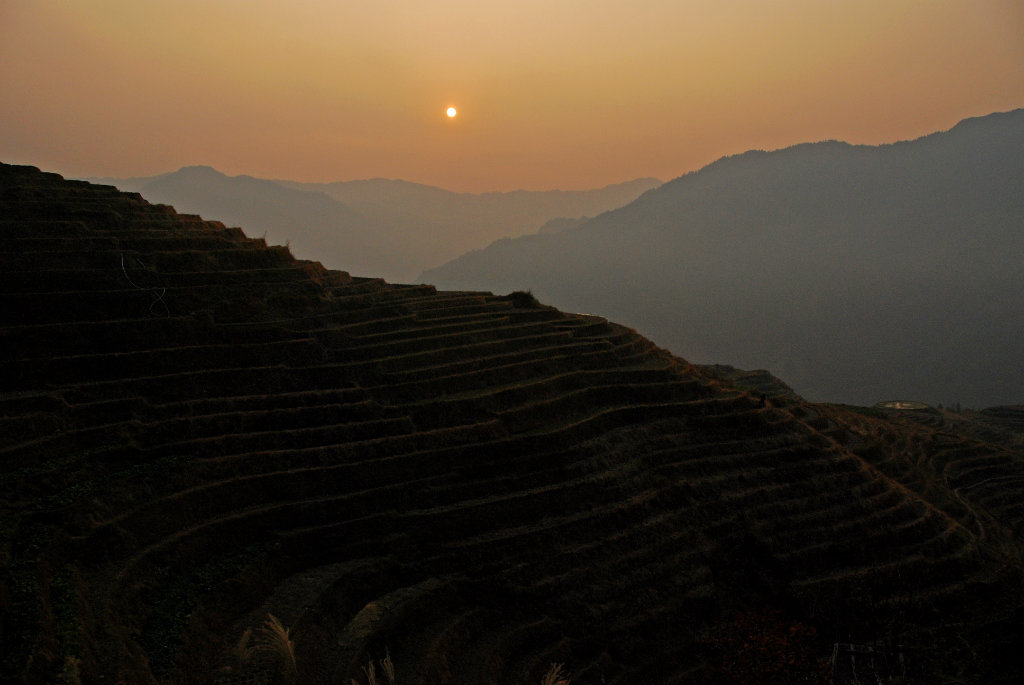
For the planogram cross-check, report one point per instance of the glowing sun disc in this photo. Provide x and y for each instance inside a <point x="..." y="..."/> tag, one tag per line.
<point x="451" y="112"/>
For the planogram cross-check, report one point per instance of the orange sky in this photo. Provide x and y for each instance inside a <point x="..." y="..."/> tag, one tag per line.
<point x="551" y="93"/>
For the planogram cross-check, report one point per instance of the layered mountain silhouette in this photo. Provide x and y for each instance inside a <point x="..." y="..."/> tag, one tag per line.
<point x="856" y="273"/>
<point x="382" y="228"/>
<point x="220" y="464"/>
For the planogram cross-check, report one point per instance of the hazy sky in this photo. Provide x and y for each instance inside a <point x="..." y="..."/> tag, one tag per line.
<point x="550" y="93"/>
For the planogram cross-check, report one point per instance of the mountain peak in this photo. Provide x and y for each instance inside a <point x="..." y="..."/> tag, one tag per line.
<point x="1009" y="117"/>
<point x="199" y="171"/>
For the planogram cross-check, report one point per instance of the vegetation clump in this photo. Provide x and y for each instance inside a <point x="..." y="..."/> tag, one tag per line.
<point x="554" y="676"/>
<point x="523" y="299"/>
<point x="387" y="667"/>
<point x="269" y="649"/>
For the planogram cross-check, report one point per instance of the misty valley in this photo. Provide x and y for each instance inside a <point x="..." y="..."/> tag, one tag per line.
<point x="762" y="423"/>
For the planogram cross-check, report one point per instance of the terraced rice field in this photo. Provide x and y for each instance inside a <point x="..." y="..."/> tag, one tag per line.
<point x="197" y="430"/>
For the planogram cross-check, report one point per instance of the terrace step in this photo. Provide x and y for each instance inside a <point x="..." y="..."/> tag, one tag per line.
<point x="131" y="335"/>
<point x="95" y="269"/>
<point x="279" y="401"/>
<point x="459" y="354"/>
<point x="882" y="581"/>
<point x="824" y="527"/>
<point x="88" y="368"/>
<point x="514" y="396"/>
<point x="811" y="519"/>
<point x="866" y="546"/>
<point x="392" y="345"/>
<point x="153" y="300"/>
<point x="334" y="493"/>
<point x="492" y="366"/>
<point x="228" y="381"/>
<point x="205" y="443"/>
<point x="403" y="326"/>
<point x="470" y="305"/>
<point x="373" y="304"/>
<point x="241" y="527"/>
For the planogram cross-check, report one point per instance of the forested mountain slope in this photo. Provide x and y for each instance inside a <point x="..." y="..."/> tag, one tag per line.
<point x="855" y="273"/>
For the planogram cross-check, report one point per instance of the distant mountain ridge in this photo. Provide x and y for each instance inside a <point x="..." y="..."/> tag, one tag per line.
<point x="389" y="228"/>
<point x="854" y="272"/>
<point x="310" y="223"/>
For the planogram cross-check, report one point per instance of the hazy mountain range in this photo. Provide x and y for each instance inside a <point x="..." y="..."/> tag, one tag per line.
<point x="855" y="273"/>
<point x="383" y="228"/>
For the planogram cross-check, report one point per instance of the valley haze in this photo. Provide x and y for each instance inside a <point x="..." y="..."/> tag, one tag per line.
<point x="383" y="228"/>
<point x="855" y="273"/>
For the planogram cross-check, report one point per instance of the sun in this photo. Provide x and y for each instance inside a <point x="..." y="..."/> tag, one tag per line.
<point x="451" y="112"/>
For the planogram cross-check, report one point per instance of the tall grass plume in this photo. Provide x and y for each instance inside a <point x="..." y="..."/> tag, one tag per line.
<point x="273" y="639"/>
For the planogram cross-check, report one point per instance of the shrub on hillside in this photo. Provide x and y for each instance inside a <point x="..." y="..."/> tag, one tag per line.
<point x="523" y="299"/>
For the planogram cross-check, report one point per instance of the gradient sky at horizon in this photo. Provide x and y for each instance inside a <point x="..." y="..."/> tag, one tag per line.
<point x="551" y="93"/>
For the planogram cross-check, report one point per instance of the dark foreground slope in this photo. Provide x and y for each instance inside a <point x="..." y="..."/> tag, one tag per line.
<point x="197" y="430"/>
